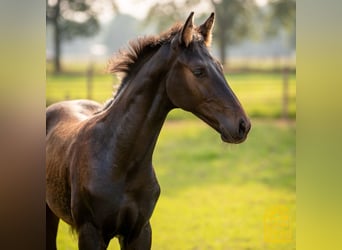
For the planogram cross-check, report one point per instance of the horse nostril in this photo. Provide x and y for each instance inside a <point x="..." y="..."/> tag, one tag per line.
<point x="242" y="128"/>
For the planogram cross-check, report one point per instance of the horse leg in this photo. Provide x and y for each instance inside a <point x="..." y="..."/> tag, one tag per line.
<point x="90" y="238"/>
<point x="143" y="242"/>
<point x="51" y="229"/>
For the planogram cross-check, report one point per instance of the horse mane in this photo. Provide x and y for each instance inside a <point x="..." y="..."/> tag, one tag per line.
<point x="126" y="59"/>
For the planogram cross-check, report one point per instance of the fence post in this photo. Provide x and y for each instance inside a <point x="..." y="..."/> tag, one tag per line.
<point x="90" y="73"/>
<point x="285" y="108"/>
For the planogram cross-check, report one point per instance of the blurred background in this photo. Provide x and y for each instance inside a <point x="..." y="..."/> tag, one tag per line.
<point x="214" y="196"/>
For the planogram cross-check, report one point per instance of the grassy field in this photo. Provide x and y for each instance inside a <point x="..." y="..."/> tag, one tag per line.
<point x="214" y="195"/>
<point x="259" y="93"/>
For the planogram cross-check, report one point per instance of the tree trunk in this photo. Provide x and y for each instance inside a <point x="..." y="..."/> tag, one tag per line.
<point x="285" y="93"/>
<point x="57" y="40"/>
<point x="57" y="47"/>
<point x="90" y="74"/>
<point x="222" y="49"/>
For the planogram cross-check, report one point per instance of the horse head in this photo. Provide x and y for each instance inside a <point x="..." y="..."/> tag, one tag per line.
<point x="196" y="83"/>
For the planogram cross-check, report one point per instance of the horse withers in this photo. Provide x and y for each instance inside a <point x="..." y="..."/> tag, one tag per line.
<point x="99" y="173"/>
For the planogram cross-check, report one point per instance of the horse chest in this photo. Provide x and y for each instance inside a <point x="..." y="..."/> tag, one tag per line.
<point x="135" y="210"/>
<point x="123" y="203"/>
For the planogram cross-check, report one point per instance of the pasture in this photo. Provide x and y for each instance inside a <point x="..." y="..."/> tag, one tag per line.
<point x="259" y="93"/>
<point x="214" y="195"/>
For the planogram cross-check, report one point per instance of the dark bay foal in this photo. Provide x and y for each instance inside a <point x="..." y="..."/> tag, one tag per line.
<point x="99" y="174"/>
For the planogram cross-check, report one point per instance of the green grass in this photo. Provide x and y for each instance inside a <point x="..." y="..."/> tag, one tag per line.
<point x="215" y="195"/>
<point x="69" y="86"/>
<point x="259" y="93"/>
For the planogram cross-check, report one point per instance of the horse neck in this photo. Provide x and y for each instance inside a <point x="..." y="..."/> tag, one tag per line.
<point x="135" y="117"/>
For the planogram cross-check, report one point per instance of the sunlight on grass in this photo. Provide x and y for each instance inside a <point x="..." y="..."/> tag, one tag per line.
<point x="217" y="217"/>
<point x="214" y="195"/>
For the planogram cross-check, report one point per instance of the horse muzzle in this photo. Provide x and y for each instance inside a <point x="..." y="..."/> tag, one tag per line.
<point x="234" y="133"/>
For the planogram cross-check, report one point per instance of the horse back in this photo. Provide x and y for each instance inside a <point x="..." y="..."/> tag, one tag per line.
<point x="70" y="112"/>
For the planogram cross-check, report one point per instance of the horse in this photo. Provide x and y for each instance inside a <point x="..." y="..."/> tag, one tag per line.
<point x="99" y="174"/>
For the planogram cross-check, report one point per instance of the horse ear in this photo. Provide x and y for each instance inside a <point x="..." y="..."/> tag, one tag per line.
<point x="187" y="30"/>
<point x="206" y="29"/>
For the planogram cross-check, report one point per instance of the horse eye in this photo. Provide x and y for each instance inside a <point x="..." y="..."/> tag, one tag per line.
<point x="198" y="72"/>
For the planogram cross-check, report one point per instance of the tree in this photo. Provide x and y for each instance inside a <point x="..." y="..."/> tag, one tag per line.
<point x="233" y="22"/>
<point x="233" y="19"/>
<point x="69" y="19"/>
<point x="282" y="14"/>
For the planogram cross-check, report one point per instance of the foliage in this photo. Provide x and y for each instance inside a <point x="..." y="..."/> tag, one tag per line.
<point x="71" y="29"/>
<point x="282" y="14"/>
<point x="74" y="17"/>
<point x="164" y="14"/>
<point x="233" y="18"/>
<point x="233" y="22"/>
<point x="71" y="18"/>
<point x="214" y="195"/>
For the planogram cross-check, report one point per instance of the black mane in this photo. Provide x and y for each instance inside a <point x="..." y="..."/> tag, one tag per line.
<point x="126" y="59"/>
